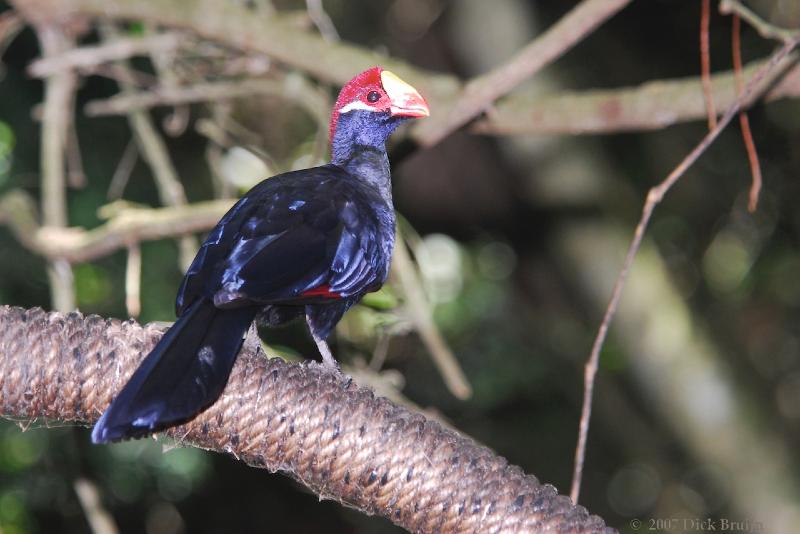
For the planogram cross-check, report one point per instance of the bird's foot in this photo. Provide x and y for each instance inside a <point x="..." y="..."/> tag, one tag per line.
<point x="327" y="357"/>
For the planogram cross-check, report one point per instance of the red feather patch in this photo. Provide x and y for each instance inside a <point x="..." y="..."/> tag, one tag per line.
<point x="369" y="78"/>
<point x="321" y="291"/>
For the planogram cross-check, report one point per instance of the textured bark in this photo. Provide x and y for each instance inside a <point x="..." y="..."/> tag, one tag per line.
<point x="301" y="419"/>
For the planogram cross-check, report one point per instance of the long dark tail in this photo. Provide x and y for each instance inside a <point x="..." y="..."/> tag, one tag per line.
<point x="183" y="375"/>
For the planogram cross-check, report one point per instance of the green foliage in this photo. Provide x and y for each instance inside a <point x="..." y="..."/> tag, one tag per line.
<point x="92" y="285"/>
<point x="7" y="142"/>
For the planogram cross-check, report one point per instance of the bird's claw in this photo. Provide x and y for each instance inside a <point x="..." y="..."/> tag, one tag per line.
<point x="252" y="342"/>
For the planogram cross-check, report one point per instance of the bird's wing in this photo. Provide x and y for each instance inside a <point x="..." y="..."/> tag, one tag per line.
<point x="312" y="235"/>
<point x="199" y="279"/>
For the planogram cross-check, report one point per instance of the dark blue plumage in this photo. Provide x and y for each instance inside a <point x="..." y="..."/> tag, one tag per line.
<point x="308" y="242"/>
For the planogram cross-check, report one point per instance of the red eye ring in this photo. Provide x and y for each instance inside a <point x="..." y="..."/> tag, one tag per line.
<point x="373" y="97"/>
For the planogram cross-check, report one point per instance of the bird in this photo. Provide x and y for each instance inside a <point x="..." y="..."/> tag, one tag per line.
<point x="307" y="243"/>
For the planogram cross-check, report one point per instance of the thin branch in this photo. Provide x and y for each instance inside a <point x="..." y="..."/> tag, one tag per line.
<point x="481" y="92"/>
<point x="55" y="123"/>
<point x="133" y="281"/>
<point x="123" y="171"/>
<point x="705" y="64"/>
<point x="100" y="521"/>
<point x="76" y="176"/>
<point x="127" y="226"/>
<point x="173" y="96"/>
<point x="314" y="425"/>
<point x="132" y="225"/>
<point x="122" y="75"/>
<point x="317" y="14"/>
<point x="274" y="34"/>
<point x="154" y="152"/>
<point x="652" y="105"/>
<point x="217" y="139"/>
<point x="10" y="26"/>
<point x="293" y="87"/>
<point x="744" y="121"/>
<point x="654" y="197"/>
<point x="279" y="37"/>
<point x="764" y="28"/>
<point x="420" y="316"/>
<point x="56" y="117"/>
<point x="380" y="351"/>
<point x="176" y="122"/>
<point x="89" y="57"/>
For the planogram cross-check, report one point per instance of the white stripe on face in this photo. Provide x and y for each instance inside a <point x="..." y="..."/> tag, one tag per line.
<point x="356" y="104"/>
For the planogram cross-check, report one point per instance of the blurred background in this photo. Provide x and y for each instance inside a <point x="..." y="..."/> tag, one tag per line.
<point x="517" y="239"/>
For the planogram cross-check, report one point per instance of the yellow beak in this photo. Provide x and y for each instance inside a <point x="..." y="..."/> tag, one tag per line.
<point x="406" y="101"/>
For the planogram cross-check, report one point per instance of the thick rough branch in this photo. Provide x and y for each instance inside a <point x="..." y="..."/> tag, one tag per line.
<point x="316" y="426"/>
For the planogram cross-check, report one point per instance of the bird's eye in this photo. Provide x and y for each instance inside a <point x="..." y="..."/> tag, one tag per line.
<point x="373" y="97"/>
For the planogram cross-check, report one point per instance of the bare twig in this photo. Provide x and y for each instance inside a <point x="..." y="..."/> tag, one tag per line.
<point x="218" y="138"/>
<point x="292" y="87"/>
<point x="56" y="116"/>
<point x="652" y="105"/>
<point x="481" y="92"/>
<point x="10" y="25"/>
<point x="317" y="14"/>
<point x="123" y="171"/>
<point x="55" y="122"/>
<point x="154" y="152"/>
<point x="164" y="62"/>
<point x="89" y="57"/>
<point x="380" y="352"/>
<point x="279" y="37"/>
<point x="764" y="28"/>
<point x="133" y="281"/>
<point x="654" y="197"/>
<point x="274" y="34"/>
<point x="705" y="64"/>
<point x="126" y="75"/>
<point x="744" y="121"/>
<point x="675" y="370"/>
<point x="100" y="521"/>
<point x="172" y="96"/>
<point x="130" y="225"/>
<point x="224" y="130"/>
<point x="76" y="176"/>
<point x="420" y="316"/>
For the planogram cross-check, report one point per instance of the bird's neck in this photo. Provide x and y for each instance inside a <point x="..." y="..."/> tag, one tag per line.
<point x="371" y="166"/>
<point x="359" y="146"/>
